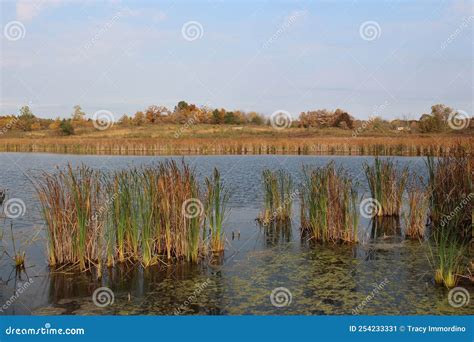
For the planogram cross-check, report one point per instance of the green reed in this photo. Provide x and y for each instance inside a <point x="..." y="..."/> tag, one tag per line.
<point x="416" y="216"/>
<point x="143" y="214"/>
<point x="451" y="212"/>
<point x="70" y="200"/>
<point x="278" y="196"/>
<point x="216" y="210"/>
<point x="387" y="185"/>
<point x="329" y="210"/>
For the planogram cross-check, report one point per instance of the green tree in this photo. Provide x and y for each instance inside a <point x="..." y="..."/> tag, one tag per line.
<point x="66" y="128"/>
<point x="26" y="118"/>
<point x="229" y="118"/>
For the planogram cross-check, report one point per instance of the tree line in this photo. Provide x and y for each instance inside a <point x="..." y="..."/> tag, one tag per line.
<point x="185" y="113"/>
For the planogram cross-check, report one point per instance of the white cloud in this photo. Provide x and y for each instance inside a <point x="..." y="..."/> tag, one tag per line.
<point x="26" y="10"/>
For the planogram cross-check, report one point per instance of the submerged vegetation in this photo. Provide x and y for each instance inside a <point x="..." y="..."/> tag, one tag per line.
<point x="387" y="185"/>
<point x="278" y="197"/>
<point x="329" y="207"/>
<point x="147" y="214"/>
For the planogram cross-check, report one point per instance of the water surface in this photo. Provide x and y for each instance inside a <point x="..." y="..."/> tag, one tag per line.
<point x="322" y="279"/>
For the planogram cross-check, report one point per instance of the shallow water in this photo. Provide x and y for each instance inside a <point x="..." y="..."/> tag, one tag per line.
<point x="320" y="279"/>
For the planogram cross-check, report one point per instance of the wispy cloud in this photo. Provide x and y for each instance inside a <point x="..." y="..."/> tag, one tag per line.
<point x="26" y="10"/>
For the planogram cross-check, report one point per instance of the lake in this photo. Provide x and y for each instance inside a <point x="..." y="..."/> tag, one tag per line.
<point x="383" y="274"/>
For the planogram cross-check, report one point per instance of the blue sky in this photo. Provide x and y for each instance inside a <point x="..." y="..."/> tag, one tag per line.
<point x="123" y="56"/>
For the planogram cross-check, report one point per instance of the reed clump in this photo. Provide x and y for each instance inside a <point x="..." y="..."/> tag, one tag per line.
<point x="451" y="213"/>
<point x="329" y="210"/>
<point x="416" y="216"/>
<point x="69" y="200"/>
<point x="278" y="197"/>
<point x="387" y="185"/>
<point x="216" y="210"/>
<point x="145" y="215"/>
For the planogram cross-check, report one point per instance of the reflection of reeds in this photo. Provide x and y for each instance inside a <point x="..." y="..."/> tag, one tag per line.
<point x="451" y="190"/>
<point x="278" y="197"/>
<point x="415" y="219"/>
<point x="130" y="215"/>
<point x="2" y="196"/>
<point x="329" y="208"/>
<point x="216" y="207"/>
<point x="387" y="185"/>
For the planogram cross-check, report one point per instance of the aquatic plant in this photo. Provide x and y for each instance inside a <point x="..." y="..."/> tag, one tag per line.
<point x="451" y="213"/>
<point x="69" y="200"/>
<point x="415" y="218"/>
<point x="266" y="142"/>
<point x="329" y="210"/>
<point x="138" y="214"/>
<point x="387" y="185"/>
<point x="278" y="197"/>
<point x="216" y="210"/>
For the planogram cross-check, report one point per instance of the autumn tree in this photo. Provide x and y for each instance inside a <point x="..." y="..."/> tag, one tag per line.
<point x="78" y="114"/>
<point x="138" y="119"/>
<point x="26" y="118"/>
